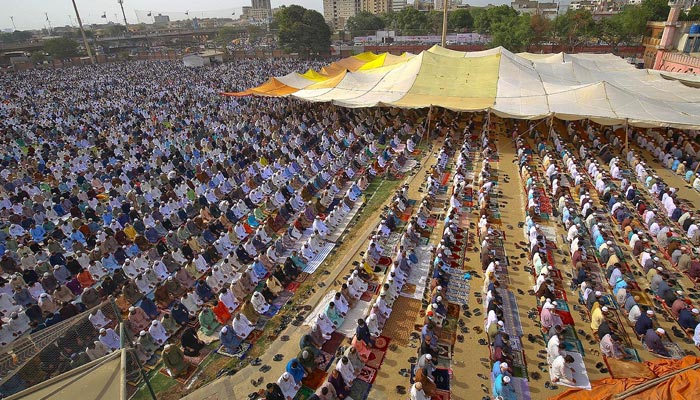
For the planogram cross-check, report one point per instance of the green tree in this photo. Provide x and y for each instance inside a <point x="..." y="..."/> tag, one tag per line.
<point x="38" y="57"/>
<point x="15" y="37"/>
<point x="574" y="27"/>
<point x="433" y="23"/>
<point x="302" y="30"/>
<point x="513" y="32"/>
<point x="390" y="20"/>
<point x="364" y="23"/>
<point x="486" y="18"/>
<point x="658" y="9"/>
<point x="460" y="20"/>
<point x="626" y="27"/>
<point x="61" y="47"/>
<point x="411" y="21"/>
<point x="692" y="15"/>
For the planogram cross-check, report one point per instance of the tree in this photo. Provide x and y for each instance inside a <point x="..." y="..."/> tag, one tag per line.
<point x="364" y="23"/>
<point x="433" y="23"/>
<point x="512" y="32"/>
<point x="61" y="47"/>
<point x="390" y="20"/>
<point x="15" y="37"/>
<point x="626" y="27"/>
<point x="692" y="15"/>
<point x="541" y="29"/>
<point x="485" y="19"/>
<point x="658" y="9"/>
<point x="460" y="20"/>
<point x="411" y="21"/>
<point x="302" y="30"/>
<point x="574" y="27"/>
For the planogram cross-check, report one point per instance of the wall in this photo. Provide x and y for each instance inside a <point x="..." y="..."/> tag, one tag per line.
<point x="678" y="62"/>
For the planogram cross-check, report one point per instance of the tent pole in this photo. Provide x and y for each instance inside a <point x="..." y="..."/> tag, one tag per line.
<point x="627" y="138"/>
<point x="444" y="24"/>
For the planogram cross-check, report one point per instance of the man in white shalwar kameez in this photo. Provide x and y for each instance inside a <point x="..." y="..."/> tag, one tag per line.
<point x="288" y="386"/>
<point x="109" y="338"/>
<point x="158" y="332"/>
<point x="325" y="325"/>
<point x="242" y="326"/>
<point x="259" y="303"/>
<point x="346" y="370"/>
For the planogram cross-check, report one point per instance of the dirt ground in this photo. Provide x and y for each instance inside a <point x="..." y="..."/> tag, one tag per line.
<point x="470" y="360"/>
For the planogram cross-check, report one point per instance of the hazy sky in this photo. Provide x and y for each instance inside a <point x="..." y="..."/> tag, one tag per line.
<point x="29" y="14"/>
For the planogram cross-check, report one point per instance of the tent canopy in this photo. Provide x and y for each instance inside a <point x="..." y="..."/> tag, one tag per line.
<point x="601" y="87"/>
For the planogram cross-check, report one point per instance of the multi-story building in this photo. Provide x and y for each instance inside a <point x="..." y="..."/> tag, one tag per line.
<point x="398" y="5"/>
<point x="548" y="10"/>
<point x="438" y="5"/>
<point x="337" y="12"/>
<point x="376" y="6"/>
<point x="260" y="10"/>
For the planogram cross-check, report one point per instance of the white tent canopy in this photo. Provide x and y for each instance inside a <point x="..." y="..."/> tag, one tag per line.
<point x="601" y="87"/>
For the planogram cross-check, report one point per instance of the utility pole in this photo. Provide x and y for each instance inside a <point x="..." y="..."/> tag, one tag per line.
<point x="444" y="23"/>
<point x="49" y="22"/>
<point x="121" y="4"/>
<point x="82" y="33"/>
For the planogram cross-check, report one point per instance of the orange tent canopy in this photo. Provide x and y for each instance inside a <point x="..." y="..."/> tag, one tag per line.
<point x="685" y="385"/>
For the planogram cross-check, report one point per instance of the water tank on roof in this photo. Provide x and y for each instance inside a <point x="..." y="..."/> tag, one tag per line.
<point x="694" y="29"/>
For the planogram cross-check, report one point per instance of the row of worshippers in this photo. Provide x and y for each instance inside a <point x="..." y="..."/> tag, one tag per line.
<point x="678" y="152"/>
<point x="158" y="266"/>
<point x="348" y="367"/>
<point x="600" y="237"/>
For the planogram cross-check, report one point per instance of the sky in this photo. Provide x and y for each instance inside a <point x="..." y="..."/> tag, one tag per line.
<point x="29" y="14"/>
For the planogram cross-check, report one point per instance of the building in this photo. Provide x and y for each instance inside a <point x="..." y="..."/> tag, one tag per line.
<point x="161" y="19"/>
<point x="547" y="10"/>
<point x="673" y="45"/>
<point x="376" y="6"/>
<point x="398" y="5"/>
<point x="337" y="12"/>
<point x="438" y="5"/>
<point x="260" y="10"/>
<point x="588" y="5"/>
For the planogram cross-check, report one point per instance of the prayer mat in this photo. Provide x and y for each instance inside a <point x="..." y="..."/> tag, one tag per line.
<point x="367" y="374"/>
<point x="443" y="362"/>
<point x="442" y="378"/>
<point x="302" y="277"/>
<point x="444" y="350"/>
<point x="381" y="343"/>
<point x="521" y="387"/>
<point x="262" y="321"/>
<point x="580" y="374"/>
<point x="375" y="359"/>
<point x="359" y="389"/>
<point x="324" y="360"/>
<point x="292" y="287"/>
<point x="633" y="353"/>
<point x="453" y="310"/>
<point x="240" y="351"/>
<point x="315" y="379"/>
<point x="198" y="359"/>
<point x="304" y="393"/>
<point x="282" y="299"/>
<point x="441" y="395"/>
<point x="511" y="317"/>
<point x="402" y="320"/>
<point x="674" y="350"/>
<point x="182" y="379"/>
<point x="254" y="336"/>
<point x="333" y="343"/>
<point x="272" y="311"/>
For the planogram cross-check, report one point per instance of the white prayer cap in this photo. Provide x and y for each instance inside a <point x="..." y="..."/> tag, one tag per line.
<point x="679" y="292"/>
<point x="132" y="308"/>
<point x="498" y="263"/>
<point x="435" y="305"/>
<point x="103" y="330"/>
<point x="154" y="322"/>
<point x="224" y="329"/>
<point x="167" y="346"/>
<point x="428" y="357"/>
<point x="695" y="311"/>
<point x="46" y="274"/>
<point x="439" y="288"/>
<point x="504" y="365"/>
<point x="500" y="323"/>
<point x="285" y="376"/>
<point x="439" y="298"/>
<point x="44" y="295"/>
<point x="660" y="331"/>
<point x="170" y="278"/>
<point x="598" y="293"/>
<point x="650" y="312"/>
<point x="659" y="268"/>
<point x="605" y="309"/>
<point x="506" y="379"/>
<point x="609" y="242"/>
<point x="142" y="333"/>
